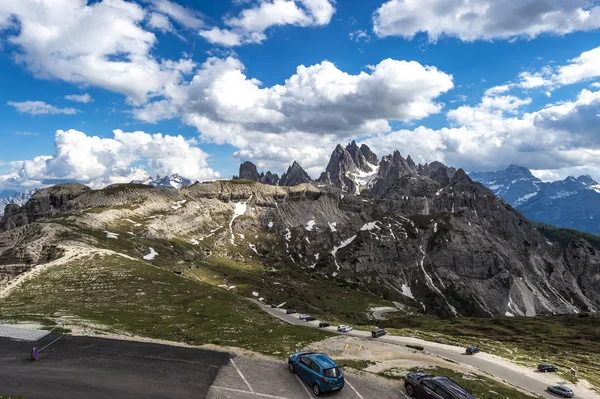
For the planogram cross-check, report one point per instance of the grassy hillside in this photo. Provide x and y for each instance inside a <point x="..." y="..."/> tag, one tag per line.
<point x="141" y="299"/>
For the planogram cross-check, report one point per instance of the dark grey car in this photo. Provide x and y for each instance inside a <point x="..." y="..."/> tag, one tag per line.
<point x="422" y="385"/>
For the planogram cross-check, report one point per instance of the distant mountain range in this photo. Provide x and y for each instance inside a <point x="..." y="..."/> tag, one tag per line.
<point x="14" y="197"/>
<point x="173" y="181"/>
<point x="571" y="203"/>
<point x="427" y="236"/>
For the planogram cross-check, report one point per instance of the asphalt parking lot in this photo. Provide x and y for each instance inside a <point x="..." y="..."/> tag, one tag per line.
<point x="252" y="378"/>
<point x="85" y="367"/>
<point x="76" y="367"/>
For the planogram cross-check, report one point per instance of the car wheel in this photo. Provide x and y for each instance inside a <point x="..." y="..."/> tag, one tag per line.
<point x="291" y="367"/>
<point x="545" y="370"/>
<point x="410" y="390"/>
<point x="316" y="389"/>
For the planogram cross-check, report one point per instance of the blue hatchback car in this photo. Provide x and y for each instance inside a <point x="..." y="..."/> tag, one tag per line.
<point x="317" y="370"/>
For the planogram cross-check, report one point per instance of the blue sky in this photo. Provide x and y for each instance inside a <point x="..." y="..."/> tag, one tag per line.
<point x="205" y="85"/>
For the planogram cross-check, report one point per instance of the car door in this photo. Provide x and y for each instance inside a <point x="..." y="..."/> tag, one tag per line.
<point x="428" y="390"/>
<point x="303" y="369"/>
<point x="314" y="373"/>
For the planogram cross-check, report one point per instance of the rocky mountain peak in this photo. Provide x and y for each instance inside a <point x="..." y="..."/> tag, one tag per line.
<point x="515" y="184"/>
<point x="432" y="168"/>
<point x="460" y="177"/>
<point x="248" y="171"/>
<point x="369" y="155"/>
<point x="350" y="168"/>
<point x="295" y="175"/>
<point x="587" y="180"/>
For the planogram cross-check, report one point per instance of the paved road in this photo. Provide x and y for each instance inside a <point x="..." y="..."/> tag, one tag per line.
<point x="85" y="367"/>
<point x="450" y="352"/>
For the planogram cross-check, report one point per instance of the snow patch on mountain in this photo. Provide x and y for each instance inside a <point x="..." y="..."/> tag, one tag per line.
<point x="151" y="255"/>
<point x="344" y="243"/>
<point x="240" y="209"/>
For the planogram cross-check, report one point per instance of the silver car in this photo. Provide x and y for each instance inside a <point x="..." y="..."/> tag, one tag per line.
<point x="561" y="390"/>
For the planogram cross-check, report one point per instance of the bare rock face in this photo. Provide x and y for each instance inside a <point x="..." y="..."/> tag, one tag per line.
<point x="429" y="168"/>
<point x="369" y="155"/>
<point x="248" y="171"/>
<point x="294" y="176"/>
<point x="271" y="179"/>
<point x="391" y="168"/>
<point x="44" y="203"/>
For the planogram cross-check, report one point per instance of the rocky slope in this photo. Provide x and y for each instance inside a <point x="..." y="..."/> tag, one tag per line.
<point x="426" y="236"/>
<point x="570" y="203"/>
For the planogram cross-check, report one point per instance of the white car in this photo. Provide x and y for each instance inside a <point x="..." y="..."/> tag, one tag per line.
<point x="344" y="328"/>
<point x="303" y="316"/>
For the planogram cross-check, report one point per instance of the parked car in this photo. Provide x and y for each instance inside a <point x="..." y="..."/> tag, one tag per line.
<point x="310" y="318"/>
<point x="303" y="316"/>
<point x="561" y="390"/>
<point x="324" y="324"/>
<point x="471" y="350"/>
<point x="546" y="368"/>
<point x="290" y="311"/>
<point x="344" y="328"/>
<point x="425" y="386"/>
<point x="273" y="305"/>
<point x="317" y="370"/>
<point x="378" y="332"/>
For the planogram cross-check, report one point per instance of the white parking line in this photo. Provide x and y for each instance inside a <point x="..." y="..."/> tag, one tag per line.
<point x="354" y="389"/>
<point x="303" y="386"/>
<point x="264" y="395"/>
<point x="242" y="375"/>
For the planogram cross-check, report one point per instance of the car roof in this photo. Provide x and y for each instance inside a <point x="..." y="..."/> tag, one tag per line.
<point x="322" y="360"/>
<point x="420" y="374"/>
<point x="453" y="387"/>
<point x="562" y="387"/>
<point x="545" y="364"/>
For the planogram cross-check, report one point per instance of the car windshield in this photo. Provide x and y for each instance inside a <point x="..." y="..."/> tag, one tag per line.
<point x="332" y="373"/>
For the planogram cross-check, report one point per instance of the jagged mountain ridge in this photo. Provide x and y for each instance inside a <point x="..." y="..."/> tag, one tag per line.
<point x="172" y="181"/>
<point x="570" y="203"/>
<point x="15" y="198"/>
<point x="351" y="168"/>
<point x="429" y="237"/>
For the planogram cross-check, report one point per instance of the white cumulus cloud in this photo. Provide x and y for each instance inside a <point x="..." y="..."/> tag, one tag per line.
<point x="561" y="137"/>
<point x="471" y="20"/>
<point x="98" y="161"/>
<point x="319" y="101"/>
<point x="250" y="25"/>
<point x="100" y="44"/>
